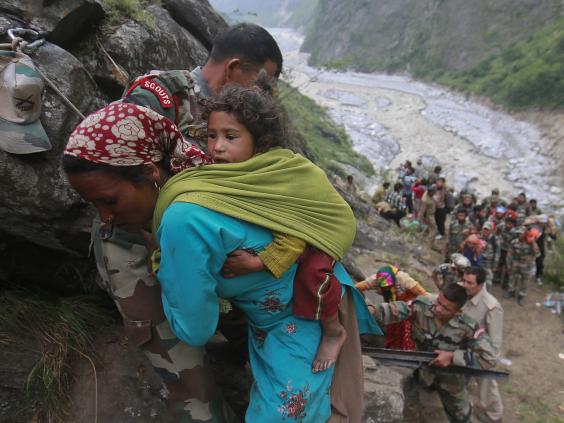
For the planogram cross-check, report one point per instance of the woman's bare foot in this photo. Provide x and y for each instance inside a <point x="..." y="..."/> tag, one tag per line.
<point x="330" y="346"/>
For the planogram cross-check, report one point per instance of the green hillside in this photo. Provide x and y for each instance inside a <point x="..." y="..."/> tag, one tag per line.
<point x="528" y="74"/>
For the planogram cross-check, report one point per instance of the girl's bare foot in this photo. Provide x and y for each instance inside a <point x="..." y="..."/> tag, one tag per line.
<point x="329" y="348"/>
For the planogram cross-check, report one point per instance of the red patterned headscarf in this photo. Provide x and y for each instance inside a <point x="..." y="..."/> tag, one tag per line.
<point x="124" y="134"/>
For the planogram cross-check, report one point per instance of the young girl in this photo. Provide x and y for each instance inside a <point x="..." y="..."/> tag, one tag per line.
<point x="243" y="122"/>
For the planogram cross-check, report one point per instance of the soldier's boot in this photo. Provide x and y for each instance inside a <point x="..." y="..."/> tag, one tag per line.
<point x="454" y="397"/>
<point x="484" y="418"/>
<point x="509" y="294"/>
<point x="521" y="300"/>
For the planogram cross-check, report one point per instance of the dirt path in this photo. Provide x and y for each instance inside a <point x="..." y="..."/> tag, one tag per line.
<point x="533" y="338"/>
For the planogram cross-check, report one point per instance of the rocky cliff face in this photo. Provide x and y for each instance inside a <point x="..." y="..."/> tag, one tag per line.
<point x="433" y="34"/>
<point x="43" y="223"/>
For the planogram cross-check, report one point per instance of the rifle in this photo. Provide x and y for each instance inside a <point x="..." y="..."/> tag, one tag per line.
<point x="421" y="359"/>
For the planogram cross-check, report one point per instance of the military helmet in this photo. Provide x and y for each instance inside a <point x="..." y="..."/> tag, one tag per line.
<point x="459" y="261"/>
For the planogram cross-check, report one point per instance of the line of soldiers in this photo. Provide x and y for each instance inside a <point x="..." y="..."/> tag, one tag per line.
<point x="506" y="240"/>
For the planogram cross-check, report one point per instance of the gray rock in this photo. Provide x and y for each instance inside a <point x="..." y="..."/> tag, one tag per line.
<point x="383" y="393"/>
<point x="139" y="49"/>
<point x="73" y="24"/>
<point x="198" y="17"/>
<point x="63" y="20"/>
<point x="37" y="203"/>
<point x="17" y="359"/>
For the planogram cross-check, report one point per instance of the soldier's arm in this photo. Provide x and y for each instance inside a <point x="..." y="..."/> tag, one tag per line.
<point x="479" y="352"/>
<point x="148" y="98"/>
<point x="393" y="312"/>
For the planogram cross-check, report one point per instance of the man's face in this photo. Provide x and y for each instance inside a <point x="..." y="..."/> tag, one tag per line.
<point x="471" y="285"/>
<point x="521" y="199"/>
<point x="443" y="309"/>
<point x="461" y="217"/>
<point x="486" y="232"/>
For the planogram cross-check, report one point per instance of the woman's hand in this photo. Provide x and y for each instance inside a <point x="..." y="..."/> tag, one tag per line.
<point x="241" y="262"/>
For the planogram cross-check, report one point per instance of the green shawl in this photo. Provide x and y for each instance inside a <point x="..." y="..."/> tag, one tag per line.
<point x="279" y="190"/>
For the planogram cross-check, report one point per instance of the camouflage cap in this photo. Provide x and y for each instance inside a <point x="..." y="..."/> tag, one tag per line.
<point x="21" y="87"/>
<point x="488" y="225"/>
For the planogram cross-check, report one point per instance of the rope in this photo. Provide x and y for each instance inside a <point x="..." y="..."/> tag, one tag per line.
<point x="119" y="69"/>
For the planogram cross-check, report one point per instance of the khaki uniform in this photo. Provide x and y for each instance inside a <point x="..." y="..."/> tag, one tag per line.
<point x="486" y="310"/>
<point x="520" y="264"/>
<point x="378" y="196"/>
<point x="427" y="213"/>
<point x="461" y="335"/>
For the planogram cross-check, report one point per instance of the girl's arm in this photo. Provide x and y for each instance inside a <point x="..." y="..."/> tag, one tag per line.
<point x="277" y="257"/>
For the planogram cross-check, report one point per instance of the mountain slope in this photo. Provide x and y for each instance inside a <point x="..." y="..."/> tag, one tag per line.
<point x="422" y="34"/>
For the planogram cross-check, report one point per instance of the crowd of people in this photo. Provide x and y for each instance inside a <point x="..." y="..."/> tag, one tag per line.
<point x="487" y="241"/>
<point x="507" y="238"/>
<point x="245" y="236"/>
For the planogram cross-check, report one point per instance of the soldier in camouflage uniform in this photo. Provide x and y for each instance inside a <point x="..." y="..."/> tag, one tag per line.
<point x="506" y="233"/>
<point x="490" y="254"/>
<point x="520" y="264"/>
<point x="122" y="258"/>
<point x="439" y="326"/>
<point x="456" y="232"/>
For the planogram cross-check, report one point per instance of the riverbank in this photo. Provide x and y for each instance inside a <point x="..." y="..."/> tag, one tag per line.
<point x="391" y="119"/>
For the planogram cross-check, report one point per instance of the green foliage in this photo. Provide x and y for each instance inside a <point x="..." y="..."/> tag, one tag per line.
<point x="327" y="141"/>
<point x="303" y="14"/>
<point x="528" y="74"/>
<point x="120" y="10"/>
<point x="64" y="329"/>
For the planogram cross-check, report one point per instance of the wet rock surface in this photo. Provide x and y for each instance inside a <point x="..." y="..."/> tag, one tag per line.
<point x="39" y="210"/>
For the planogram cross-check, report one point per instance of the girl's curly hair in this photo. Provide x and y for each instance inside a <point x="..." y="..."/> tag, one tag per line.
<point x="255" y="108"/>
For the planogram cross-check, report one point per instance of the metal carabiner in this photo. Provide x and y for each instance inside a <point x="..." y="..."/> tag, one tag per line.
<point x="14" y="33"/>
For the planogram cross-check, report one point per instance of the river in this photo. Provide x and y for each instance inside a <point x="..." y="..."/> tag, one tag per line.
<point x="392" y="118"/>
